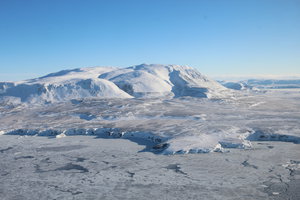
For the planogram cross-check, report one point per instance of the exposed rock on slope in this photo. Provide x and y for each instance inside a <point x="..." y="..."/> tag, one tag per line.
<point x="158" y="80"/>
<point x="107" y="82"/>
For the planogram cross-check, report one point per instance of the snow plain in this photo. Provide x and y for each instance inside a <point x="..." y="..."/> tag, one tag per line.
<point x="163" y="144"/>
<point x="176" y="126"/>
<point x="86" y="167"/>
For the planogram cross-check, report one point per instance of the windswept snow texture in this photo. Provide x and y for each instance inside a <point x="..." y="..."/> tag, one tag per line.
<point x="173" y="109"/>
<point x="108" y="82"/>
<point x="165" y="125"/>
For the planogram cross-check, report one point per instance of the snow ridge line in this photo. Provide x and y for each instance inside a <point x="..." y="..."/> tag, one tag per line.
<point x="101" y="132"/>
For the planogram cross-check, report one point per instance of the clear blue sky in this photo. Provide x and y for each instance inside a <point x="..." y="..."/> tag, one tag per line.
<point x="217" y="36"/>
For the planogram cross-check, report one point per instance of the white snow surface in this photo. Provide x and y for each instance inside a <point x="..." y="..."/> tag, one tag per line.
<point x="165" y="125"/>
<point x="62" y="86"/>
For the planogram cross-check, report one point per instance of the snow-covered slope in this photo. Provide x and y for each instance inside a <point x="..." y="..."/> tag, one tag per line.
<point x="158" y="80"/>
<point x="63" y="85"/>
<point x="108" y="82"/>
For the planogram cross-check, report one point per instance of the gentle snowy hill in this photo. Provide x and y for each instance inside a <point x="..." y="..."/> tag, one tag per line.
<point x="108" y="82"/>
<point x="240" y="85"/>
<point x="63" y="85"/>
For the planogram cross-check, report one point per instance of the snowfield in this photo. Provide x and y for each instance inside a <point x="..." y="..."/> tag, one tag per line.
<point x="180" y="125"/>
<point x="141" y="112"/>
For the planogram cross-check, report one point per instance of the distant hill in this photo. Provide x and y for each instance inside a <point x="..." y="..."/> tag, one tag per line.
<point x="261" y="84"/>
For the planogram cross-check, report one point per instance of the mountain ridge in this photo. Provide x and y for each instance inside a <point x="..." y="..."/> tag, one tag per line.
<point x="139" y="81"/>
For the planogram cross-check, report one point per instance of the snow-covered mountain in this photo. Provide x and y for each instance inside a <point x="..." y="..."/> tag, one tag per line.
<point x="109" y="82"/>
<point x="158" y="80"/>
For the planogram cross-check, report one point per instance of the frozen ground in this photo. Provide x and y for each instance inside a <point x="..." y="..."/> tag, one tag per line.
<point x="124" y="157"/>
<point x="85" y="167"/>
<point x="174" y="125"/>
<point x="169" y="144"/>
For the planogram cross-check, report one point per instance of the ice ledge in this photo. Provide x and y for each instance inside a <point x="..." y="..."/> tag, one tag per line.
<point x="203" y="143"/>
